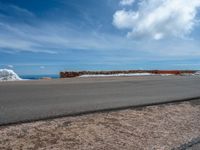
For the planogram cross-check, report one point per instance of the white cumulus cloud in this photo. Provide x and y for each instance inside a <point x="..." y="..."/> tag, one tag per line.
<point x="158" y="19"/>
<point x="42" y="67"/>
<point x="10" y="66"/>
<point x="127" y="2"/>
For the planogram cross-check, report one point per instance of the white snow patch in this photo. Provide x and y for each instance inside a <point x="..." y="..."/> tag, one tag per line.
<point x="166" y="74"/>
<point x="197" y="73"/>
<point x="116" y="75"/>
<point x="8" y="75"/>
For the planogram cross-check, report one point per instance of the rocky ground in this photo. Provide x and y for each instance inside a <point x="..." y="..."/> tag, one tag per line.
<point x="160" y="127"/>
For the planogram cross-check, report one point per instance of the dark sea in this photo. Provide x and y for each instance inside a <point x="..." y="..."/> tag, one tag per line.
<point x="36" y="77"/>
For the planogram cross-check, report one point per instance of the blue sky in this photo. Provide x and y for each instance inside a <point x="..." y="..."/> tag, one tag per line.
<point x="48" y="36"/>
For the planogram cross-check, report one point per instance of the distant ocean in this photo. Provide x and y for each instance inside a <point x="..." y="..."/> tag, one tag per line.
<point x="36" y="77"/>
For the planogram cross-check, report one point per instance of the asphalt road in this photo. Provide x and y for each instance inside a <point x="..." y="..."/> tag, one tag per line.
<point x="32" y="100"/>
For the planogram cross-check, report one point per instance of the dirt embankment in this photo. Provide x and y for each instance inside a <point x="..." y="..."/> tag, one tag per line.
<point x="70" y="74"/>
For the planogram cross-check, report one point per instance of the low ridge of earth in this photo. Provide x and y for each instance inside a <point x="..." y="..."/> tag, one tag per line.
<point x="161" y="127"/>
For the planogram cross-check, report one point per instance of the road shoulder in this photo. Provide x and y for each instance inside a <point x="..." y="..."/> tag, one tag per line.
<point x="164" y="126"/>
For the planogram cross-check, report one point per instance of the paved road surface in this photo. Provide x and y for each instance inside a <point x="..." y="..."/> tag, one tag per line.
<point x="194" y="144"/>
<point x="33" y="100"/>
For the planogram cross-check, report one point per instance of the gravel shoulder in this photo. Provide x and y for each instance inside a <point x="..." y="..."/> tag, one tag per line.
<point x="162" y="127"/>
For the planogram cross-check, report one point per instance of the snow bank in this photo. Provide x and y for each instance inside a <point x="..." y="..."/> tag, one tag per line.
<point x="117" y="75"/>
<point x="197" y="73"/>
<point x="8" y="75"/>
<point x="166" y="74"/>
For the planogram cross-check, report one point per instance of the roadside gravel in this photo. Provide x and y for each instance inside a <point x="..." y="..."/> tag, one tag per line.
<point x="161" y="127"/>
